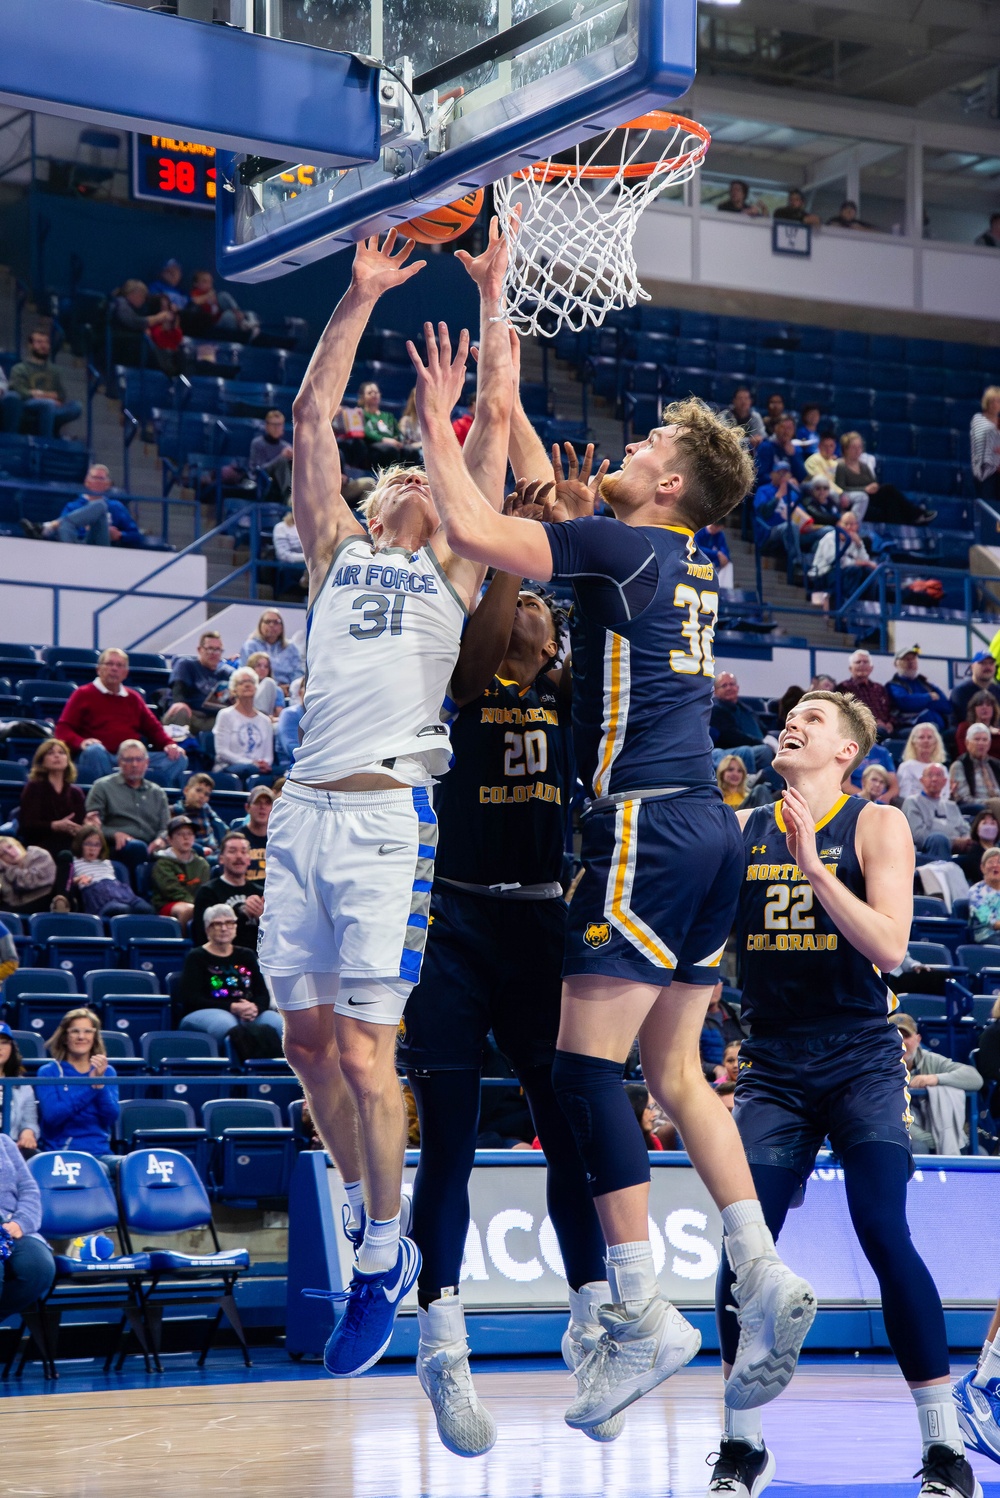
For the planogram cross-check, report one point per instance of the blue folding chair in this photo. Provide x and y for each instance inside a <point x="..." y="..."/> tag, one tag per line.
<point x="253" y="1154"/>
<point x="161" y="1193"/>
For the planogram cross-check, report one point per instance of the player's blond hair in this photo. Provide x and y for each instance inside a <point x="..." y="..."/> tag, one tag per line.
<point x="388" y="479"/>
<point x="714" y="460"/>
<point x="857" y="720"/>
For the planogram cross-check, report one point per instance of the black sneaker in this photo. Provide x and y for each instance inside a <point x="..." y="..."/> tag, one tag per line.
<point x="741" y="1470"/>
<point x="33" y="531"/>
<point x="925" y="516"/>
<point x="946" y="1474"/>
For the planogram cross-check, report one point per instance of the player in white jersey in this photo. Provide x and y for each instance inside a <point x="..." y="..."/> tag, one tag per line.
<point x="351" y="843"/>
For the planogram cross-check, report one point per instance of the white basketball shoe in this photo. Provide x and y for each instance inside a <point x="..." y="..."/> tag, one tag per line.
<point x="634" y="1354"/>
<point x="465" y="1427"/>
<point x="580" y="1338"/>
<point x="776" y="1310"/>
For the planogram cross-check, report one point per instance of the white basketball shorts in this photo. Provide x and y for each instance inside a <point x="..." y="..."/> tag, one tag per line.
<point x="348" y="884"/>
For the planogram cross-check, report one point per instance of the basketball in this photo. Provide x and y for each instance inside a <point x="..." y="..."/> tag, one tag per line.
<point x="441" y="225"/>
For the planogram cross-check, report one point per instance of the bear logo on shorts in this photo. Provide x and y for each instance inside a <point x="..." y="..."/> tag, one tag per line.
<point x="597" y="934"/>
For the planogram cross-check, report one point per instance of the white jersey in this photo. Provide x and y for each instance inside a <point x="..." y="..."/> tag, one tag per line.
<point x="382" y="641"/>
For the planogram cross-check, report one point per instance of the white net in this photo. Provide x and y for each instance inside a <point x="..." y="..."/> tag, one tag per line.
<point x="571" y="259"/>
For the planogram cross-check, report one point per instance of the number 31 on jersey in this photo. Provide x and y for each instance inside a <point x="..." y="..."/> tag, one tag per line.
<point x="698" y="631"/>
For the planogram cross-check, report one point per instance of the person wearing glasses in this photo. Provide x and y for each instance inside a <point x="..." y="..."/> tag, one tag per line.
<point x="221" y="984"/>
<point x="73" y="1117"/>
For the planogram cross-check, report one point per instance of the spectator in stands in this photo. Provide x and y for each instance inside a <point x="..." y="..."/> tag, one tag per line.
<point x="720" y="1028"/>
<point x="269" y="637"/>
<point x="887" y="505"/>
<point x="738" y="201"/>
<point x="975" y="777"/>
<point x="52" y="808"/>
<point x="23" y="1126"/>
<point x="645" y="1112"/>
<point x="462" y="425"/>
<point x="133" y="811"/>
<point x="727" y="1092"/>
<point x="742" y="413"/>
<point x="210" y="312"/>
<point x="26" y="1274"/>
<point x="130" y="306"/>
<point x="780" y="524"/>
<point x="99" y="717"/>
<point x="244" y="736"/>
<point x="878" y="757"/>
<point x="780" y="447"/>
<point x="381" y="427"/>
<point x="807" y="432"/>
<point x="27" y="877"/>
<point x="95" y="517"/>
<point x="775" y="412"/>
<point x="914" y="699"/>
<point x="735" y="727"/>
<point x="202" y="681"/>
<point x="254" y="827"/>
<point x="822" y="682"/>
<point x="823" y="464"/>
<point x="875" y="786"/>
<point x="288" y="545"/>
<point x="731" y="775"/>
<point x="984" y="899"/>
<point x="871" y="693"/>
<point x="847" y="217"/>
<point x="167" y="338"/>
<point x="232" y="887"/>
<point x="269" y="698"/>
<point x="209" y="829"/>
<point x="982" y="678"/>
<point x="934" y="1131"/>
<point x="39" y="385"/>
<point x="984" y="834"/>
<point x="789" y="698"/>
<point x="221" y="983"/>
<point x="94" y="880"/>
<point x="286" y="730"/>
<point x="795" y="210"/>
<point x="711" y="539"/>
<point x="817" y="500"/>
<point x="984" y="442"/>
<point x="983" y="708"/>
<point x="179" y="873"/>
<point x="270" y="446"/>
<point x="937" y="825"/>
<point x="840" y="546"/>
<point x="409" y="424"/>
<point x="168" y="284"/>
<point x="924" y="746"/>
<point x="79" y="1118"/>
<point x="990" y="237"/>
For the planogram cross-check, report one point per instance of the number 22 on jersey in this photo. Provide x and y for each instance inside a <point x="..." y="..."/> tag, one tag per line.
<point x="700" y="635"/>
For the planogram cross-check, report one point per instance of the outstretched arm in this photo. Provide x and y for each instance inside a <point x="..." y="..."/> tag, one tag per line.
<point x="485" y="450"/>
<point x="528" y="457"/>
<point x="322" y="519"/>
<point x="472" y="528"/>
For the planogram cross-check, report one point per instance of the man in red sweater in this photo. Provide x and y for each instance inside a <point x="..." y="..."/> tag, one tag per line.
<point x="98" y="717"/>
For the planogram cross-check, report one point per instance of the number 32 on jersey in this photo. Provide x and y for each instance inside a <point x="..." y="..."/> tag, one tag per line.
<point x="698" y="630"/>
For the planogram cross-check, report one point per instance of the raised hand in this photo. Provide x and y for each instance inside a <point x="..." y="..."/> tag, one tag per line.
<point x="800" y="834"/>
<point x="489" y="268"/>
<point x="575" y="491"/>
<point x="377" y="270"/>
<point x="529" y="500"/>
<point x="441" y="380"/>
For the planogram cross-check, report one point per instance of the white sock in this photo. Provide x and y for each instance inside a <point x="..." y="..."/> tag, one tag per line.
<point x="354" y="1191"/>
<point x="744" y="1425"/>
<point x="584" y="1303"/>
<point x="631" y="1275"/>
<point x="989" y="1363"/>
<point x="938" y="1417"/>
<point x="380" y="1246"/>
<point x="747" y="1236"/>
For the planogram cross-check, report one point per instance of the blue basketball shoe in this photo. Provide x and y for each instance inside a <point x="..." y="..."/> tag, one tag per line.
<point x="365" y="1329"/>
<point x="979" y="1415"/>
<point x="354" y="1231"/>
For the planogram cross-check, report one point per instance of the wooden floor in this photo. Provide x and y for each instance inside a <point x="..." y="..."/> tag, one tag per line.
<point x="840" y="1430"/>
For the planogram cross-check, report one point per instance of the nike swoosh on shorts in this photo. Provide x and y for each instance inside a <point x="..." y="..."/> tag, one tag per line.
<point x="391" y="848"/>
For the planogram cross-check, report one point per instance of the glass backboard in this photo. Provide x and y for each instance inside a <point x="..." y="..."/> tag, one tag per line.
<point x="472" y="90"/>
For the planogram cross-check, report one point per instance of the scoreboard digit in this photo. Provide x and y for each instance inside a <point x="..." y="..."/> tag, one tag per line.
<point x="165" y="170"/>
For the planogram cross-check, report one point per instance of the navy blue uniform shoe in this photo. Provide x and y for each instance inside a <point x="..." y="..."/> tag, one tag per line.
<point x="365" y="1329"/>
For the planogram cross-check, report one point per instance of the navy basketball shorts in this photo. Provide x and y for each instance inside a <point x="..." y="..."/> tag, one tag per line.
<point x="489" y="964"/>
<point x="658" y="897"/>
<point x="794" y="1092"/>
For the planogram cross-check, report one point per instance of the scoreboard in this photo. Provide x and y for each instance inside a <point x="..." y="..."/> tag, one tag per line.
<point x="165" y="170"/>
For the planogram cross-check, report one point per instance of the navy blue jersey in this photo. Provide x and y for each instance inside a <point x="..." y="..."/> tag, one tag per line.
<point x="502" y="807"/>
<point x="646" y="611"/>
<point x="799" y="973"/>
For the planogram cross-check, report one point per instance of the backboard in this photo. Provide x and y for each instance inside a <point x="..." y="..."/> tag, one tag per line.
<point x="470" y="91"/>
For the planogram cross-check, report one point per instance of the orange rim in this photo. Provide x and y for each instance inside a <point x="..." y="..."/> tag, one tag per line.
<point x="656" y="119"/>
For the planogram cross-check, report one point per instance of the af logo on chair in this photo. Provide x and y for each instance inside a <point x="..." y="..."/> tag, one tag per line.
<point x="162" y="1168"/>
<point x="68" y="1168"/>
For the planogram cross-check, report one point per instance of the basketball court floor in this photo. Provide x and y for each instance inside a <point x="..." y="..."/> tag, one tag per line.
<point x="843" y="1428"/>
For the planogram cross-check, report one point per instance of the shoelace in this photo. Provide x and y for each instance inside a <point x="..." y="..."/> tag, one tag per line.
<point x="936" y="1478"/>
<point x="722" y="1481"/>
<point x="443" y="1365"/>
<point x="357" y="1295"/>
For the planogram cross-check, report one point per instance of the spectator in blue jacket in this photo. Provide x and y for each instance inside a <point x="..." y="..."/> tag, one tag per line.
<point x="781" y="446"/>
<point x="912" y="697"/>
<point x="29" y="1268"/>
<point x="711" y="539"/>
<point x="93" y="518"/>
<point x="78" y="1118"/>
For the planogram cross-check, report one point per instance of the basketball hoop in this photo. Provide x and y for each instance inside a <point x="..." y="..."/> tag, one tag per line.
<point x="571" y="257"/>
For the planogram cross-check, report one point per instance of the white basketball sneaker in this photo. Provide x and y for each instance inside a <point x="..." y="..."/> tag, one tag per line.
<point x="580" y="1338"/>
<point x="634" y="1354"/>
<point x="465" y="1427"/>
<point x="776" y="1310"/>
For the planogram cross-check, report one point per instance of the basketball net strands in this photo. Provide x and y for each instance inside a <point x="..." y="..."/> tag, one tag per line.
<point x="571" y="258"/>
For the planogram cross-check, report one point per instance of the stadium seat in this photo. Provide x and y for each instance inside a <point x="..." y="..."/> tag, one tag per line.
<point x="930" y="953"/>
<point x="975" y="956"/>
<point x="856" y="372"/>
<point x="886" y="348"/>
<point x="77" y="1199"/>
<point x="850" y="402"/>
<point x="160" y="1045"/>
<point x="13" y="778"/>
<point x="152" y="1113"/>
<point x="894" y="438"/>
<point x="888" y="406"/>
<point x="698" y="325"/>
<point x="41" y="980"/>
<point x="273" y="1082"/>
<point x="40" y="1013"/>
<point x="937" y="443"/>
<point x="161" y="1193"/>
<point x="150" y="943"/>
<point x="254" y="1154"/>
<point x="30" y="1045"/>
<point x="57" y="657"/>
<point x="71" y="942"/>
<point x="922" y="1006"/>
<point x="118" y="1046"/>
<point x="43" y="699"/>
<point x="102" y="981"/>
<point x="239" y="1113"/>
<point x="130" y="1015"/>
